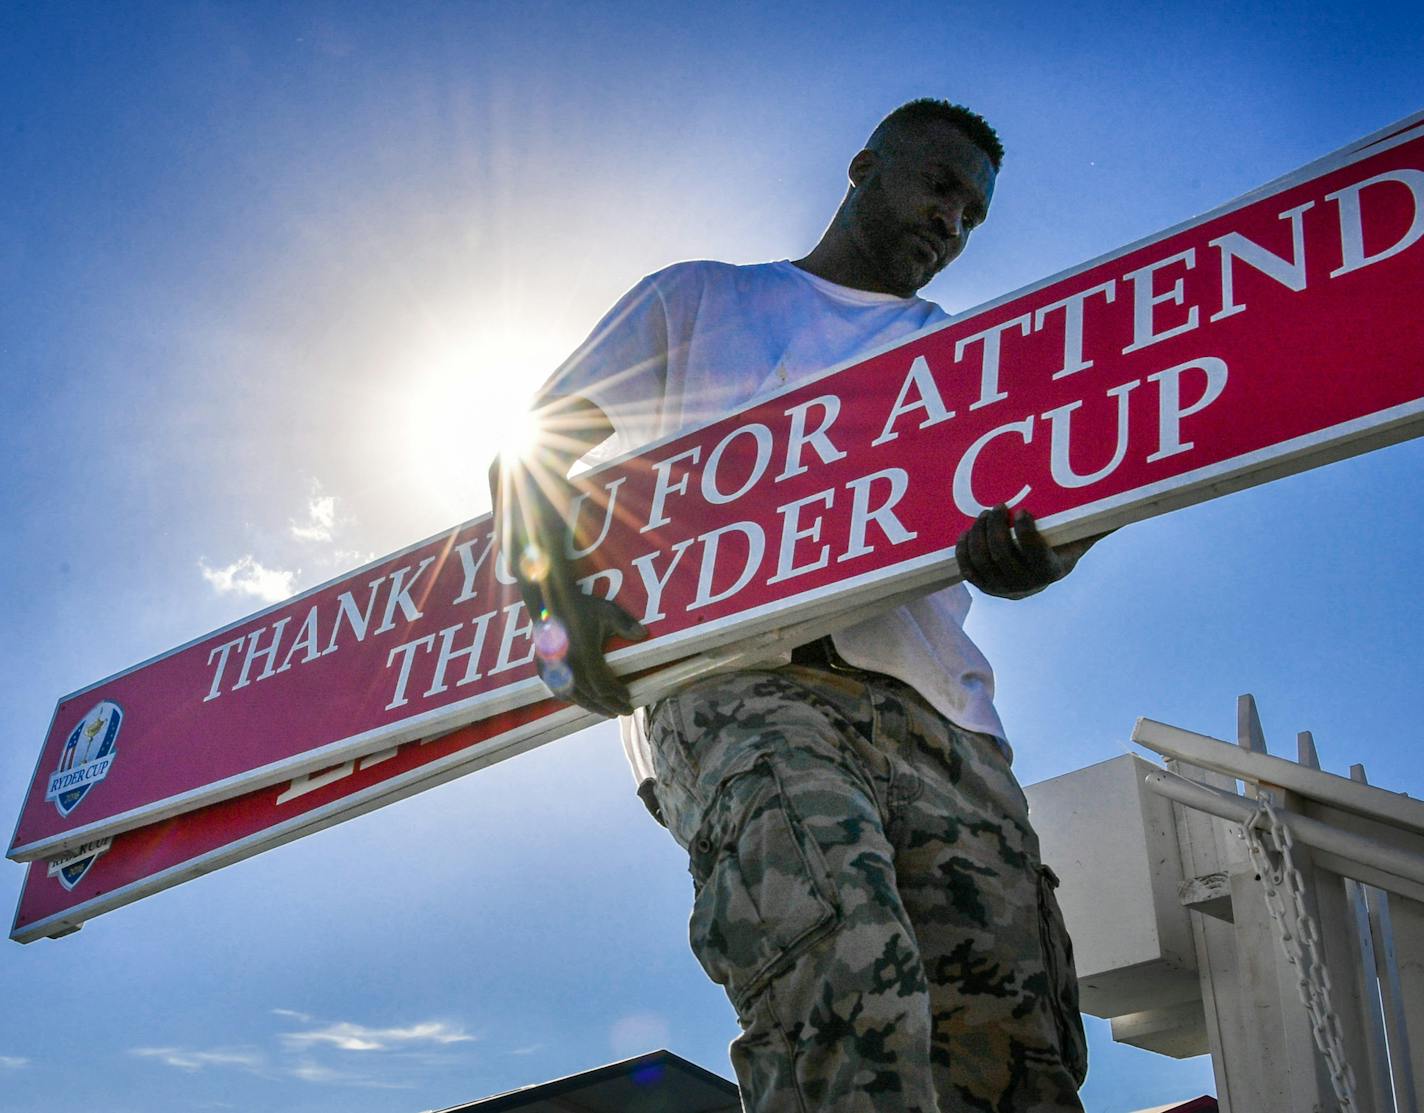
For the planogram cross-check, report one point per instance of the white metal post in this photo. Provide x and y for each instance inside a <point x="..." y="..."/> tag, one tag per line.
<point x="1208" y="853"/>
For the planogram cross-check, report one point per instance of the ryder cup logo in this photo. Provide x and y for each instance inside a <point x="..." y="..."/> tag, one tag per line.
<point x="87" y="757"/>
<point x="69" y="868"/>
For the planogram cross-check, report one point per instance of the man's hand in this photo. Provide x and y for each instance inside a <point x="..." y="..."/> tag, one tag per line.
<point x="571" y="627"/>
<point x="1003" y="554"/>
<point x="570" y="631"/>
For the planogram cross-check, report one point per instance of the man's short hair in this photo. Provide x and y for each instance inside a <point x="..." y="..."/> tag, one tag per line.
<point x="927" y="109"/>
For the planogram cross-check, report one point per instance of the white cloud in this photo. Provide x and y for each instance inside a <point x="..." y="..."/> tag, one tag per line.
<point x="309" y="1071"/>
<point x="191" y="1060"/>
<point x="246" y="577"/>
<point x="318" y="527"/>
<point x="358" y="1037"/>
<point x="293" y="1014"/>
<point x="343" y="560"/>
<point x="638" y="1032"/>
<point x="13" y="1062"/>
<point x="321" y="517"/>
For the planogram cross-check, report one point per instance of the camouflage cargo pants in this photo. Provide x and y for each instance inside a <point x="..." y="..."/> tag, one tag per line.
<point x="869" y="892"/>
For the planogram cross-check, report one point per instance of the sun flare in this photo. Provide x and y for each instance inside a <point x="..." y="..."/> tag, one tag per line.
<point x="469" y="404"/>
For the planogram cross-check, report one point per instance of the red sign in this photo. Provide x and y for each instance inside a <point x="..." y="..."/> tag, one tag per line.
<point x="1272" y="335"/>
<point x="60" y="895"/>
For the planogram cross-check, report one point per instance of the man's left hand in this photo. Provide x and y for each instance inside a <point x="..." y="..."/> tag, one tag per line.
<point x="1003" y="554"/>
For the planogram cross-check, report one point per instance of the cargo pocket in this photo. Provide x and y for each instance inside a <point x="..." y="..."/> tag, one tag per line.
<point x="1062" y="979"/>
<point x="763" y="891"/>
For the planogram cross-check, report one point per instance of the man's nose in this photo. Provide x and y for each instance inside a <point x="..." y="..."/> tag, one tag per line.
<point x="949" y="220"/>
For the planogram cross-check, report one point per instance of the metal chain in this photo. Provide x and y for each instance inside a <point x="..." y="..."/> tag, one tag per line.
<point x="1300" y="939"/>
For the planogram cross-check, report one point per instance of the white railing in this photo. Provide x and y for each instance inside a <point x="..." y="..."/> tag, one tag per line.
<point x="1306" y="893"/>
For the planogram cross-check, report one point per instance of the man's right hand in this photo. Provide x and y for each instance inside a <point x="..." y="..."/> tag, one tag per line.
<point x="531" y="496"/>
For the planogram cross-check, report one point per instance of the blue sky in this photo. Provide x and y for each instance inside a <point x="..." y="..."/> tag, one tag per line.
<point x="269" y="276"/>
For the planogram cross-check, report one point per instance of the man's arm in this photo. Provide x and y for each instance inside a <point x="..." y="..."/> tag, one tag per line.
<point x="1003" y="554"/>
<point x="531" y="497"/>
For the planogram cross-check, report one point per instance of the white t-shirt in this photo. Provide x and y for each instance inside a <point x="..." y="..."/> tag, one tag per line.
<point x="699" y="340"/>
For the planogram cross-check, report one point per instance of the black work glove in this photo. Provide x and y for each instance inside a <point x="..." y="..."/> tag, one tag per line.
<point x="1003" y="554"/>
<point x="570" y="630"/>
<point x="570" y="625"/>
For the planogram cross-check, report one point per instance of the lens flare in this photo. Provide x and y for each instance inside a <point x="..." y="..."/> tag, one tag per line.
<point x="558" y="678"/>
<point x="551" y="640"/>
<point x="534" y="563"/>
<point x="466" y="400"/>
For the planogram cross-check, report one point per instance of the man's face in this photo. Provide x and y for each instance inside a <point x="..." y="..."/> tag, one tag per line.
<point x="916" y="202"/>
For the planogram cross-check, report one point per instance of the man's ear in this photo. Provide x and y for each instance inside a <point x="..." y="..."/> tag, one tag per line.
<point x="861" y="166"/>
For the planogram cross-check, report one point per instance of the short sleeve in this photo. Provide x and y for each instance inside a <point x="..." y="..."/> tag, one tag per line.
<point x="622" y="366"/>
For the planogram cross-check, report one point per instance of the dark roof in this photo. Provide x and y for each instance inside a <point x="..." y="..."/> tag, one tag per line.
<point x="658" y="1082"/>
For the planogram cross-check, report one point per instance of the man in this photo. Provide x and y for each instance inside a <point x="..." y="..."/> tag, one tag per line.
<point x="867" y="886"/>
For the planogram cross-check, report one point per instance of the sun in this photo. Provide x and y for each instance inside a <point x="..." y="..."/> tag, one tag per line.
<point x="519" y="435"/>
<point x="468" y="403"/>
